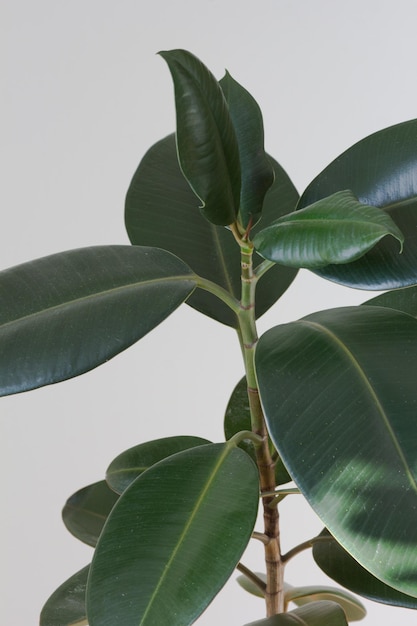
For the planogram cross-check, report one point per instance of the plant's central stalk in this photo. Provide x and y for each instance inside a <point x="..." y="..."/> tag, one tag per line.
<point x="274" y="594"/>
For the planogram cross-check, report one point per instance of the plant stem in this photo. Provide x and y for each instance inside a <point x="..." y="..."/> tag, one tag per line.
<point x="251" y="576"/>
<point x="274" y="592"/>
<point x="305" y="546"/>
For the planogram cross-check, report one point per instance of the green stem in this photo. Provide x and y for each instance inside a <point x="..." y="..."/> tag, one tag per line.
<point x="220" y="292"/>
<point x="263" y="267"/>
<point x="274" y="592"/>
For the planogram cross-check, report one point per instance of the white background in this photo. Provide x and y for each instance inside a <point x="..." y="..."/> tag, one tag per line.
<point x="83" y="97"/>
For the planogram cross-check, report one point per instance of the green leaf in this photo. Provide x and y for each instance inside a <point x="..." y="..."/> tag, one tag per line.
<point x="237" y="419"/>
<point x="337" y="229"/>
<point x="400" y="299"/>
<point x="352" y="607"/>
<point x="64" y="314"/>
<point x="340" y="397"/>
<point x="248" y="585"/>
<point x="322" y="613"/>
<point x="86" y="511"/>
<point x="345" y="570"/>
<point x="66" y="606"/>
<point x="206" y="139"/>
<point x="174" y="538"/>
<point x="380" y="171"/>
<point x="126" y="467"/>
<point x="160" y="211"/>
<point x="256" y="169"/>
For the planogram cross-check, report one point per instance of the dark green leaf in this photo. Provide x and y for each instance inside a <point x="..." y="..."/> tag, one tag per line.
<point x="160" y="211"/>
<point x="337" y="229"/>
<point x="400" y="299"/>
<point x="174" y="538"/>
<point x="86" y="511"/>
<point x="256" y="169"/>
<point x="345" y="570"/>
<point x="380" y="170"/>
<point x="64" y="314"/>
<point x="133" y="462"/>
<point x="340" y="397"/>
<point x="237" y="419"/>
<point x="66" y="606"/>
<point x="322" y="613"/>
<point x="206" y="140"/>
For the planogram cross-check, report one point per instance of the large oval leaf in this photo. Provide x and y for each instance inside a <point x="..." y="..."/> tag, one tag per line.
<point x="86" y="511"/>
<point x="66" y="606"/>
<point x="338" y="229"/>
<point x="161" y="211"/>
<point x="126" y="467"/>
<point x="381" y="170"/>
<point x="257" y="173"/>
<point x="314" y="614"/>
<point x="340" y="397"/>
<point x="174" y="538"/>
<point x="206" y="139"/>
<point x="400" y="299"/>
<point x="345" y="570"/>
<point x="64" y="314"/>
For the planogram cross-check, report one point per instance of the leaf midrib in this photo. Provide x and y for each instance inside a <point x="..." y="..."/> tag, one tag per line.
<point x="187" y="526"/>
<point x="97" y="295"/>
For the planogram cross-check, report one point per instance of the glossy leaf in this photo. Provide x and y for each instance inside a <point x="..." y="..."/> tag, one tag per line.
<point x="257" y="172"/>
<point x="174" y="538"/>
<point x="338" y="388"/>
<point x="237" y="419"/>
<point x="400" y="299"/>
<point x="161" y="211"/>
<point x="66" y="606"/>
<point x="314" y="614"/>
<point x="352" y="607"/>
<point x="64" y="314"/>
<point x="130" y="464"/>
<point x="381" y="171"/>
<point x="337" y="229"/>
<point x="86" y="511"/>
<point x="345" y="570"/>
<point x="206" y="139"/>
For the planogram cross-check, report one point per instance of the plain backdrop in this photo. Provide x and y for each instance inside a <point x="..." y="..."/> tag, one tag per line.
<point x="83" y="97"/>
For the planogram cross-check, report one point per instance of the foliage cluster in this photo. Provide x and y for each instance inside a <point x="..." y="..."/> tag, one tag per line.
<point x="327" y="406"/>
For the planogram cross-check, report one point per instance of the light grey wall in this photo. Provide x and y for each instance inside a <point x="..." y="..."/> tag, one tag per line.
<point x="84" y="96"/>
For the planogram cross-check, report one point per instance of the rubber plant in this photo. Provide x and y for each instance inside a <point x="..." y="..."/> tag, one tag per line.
<point x="326" y="409"/>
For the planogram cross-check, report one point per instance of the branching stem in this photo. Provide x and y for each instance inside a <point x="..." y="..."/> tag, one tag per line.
<point x="252" y="576"/>
<point x="220" y="292"/>
<point x="304" y="546"/>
